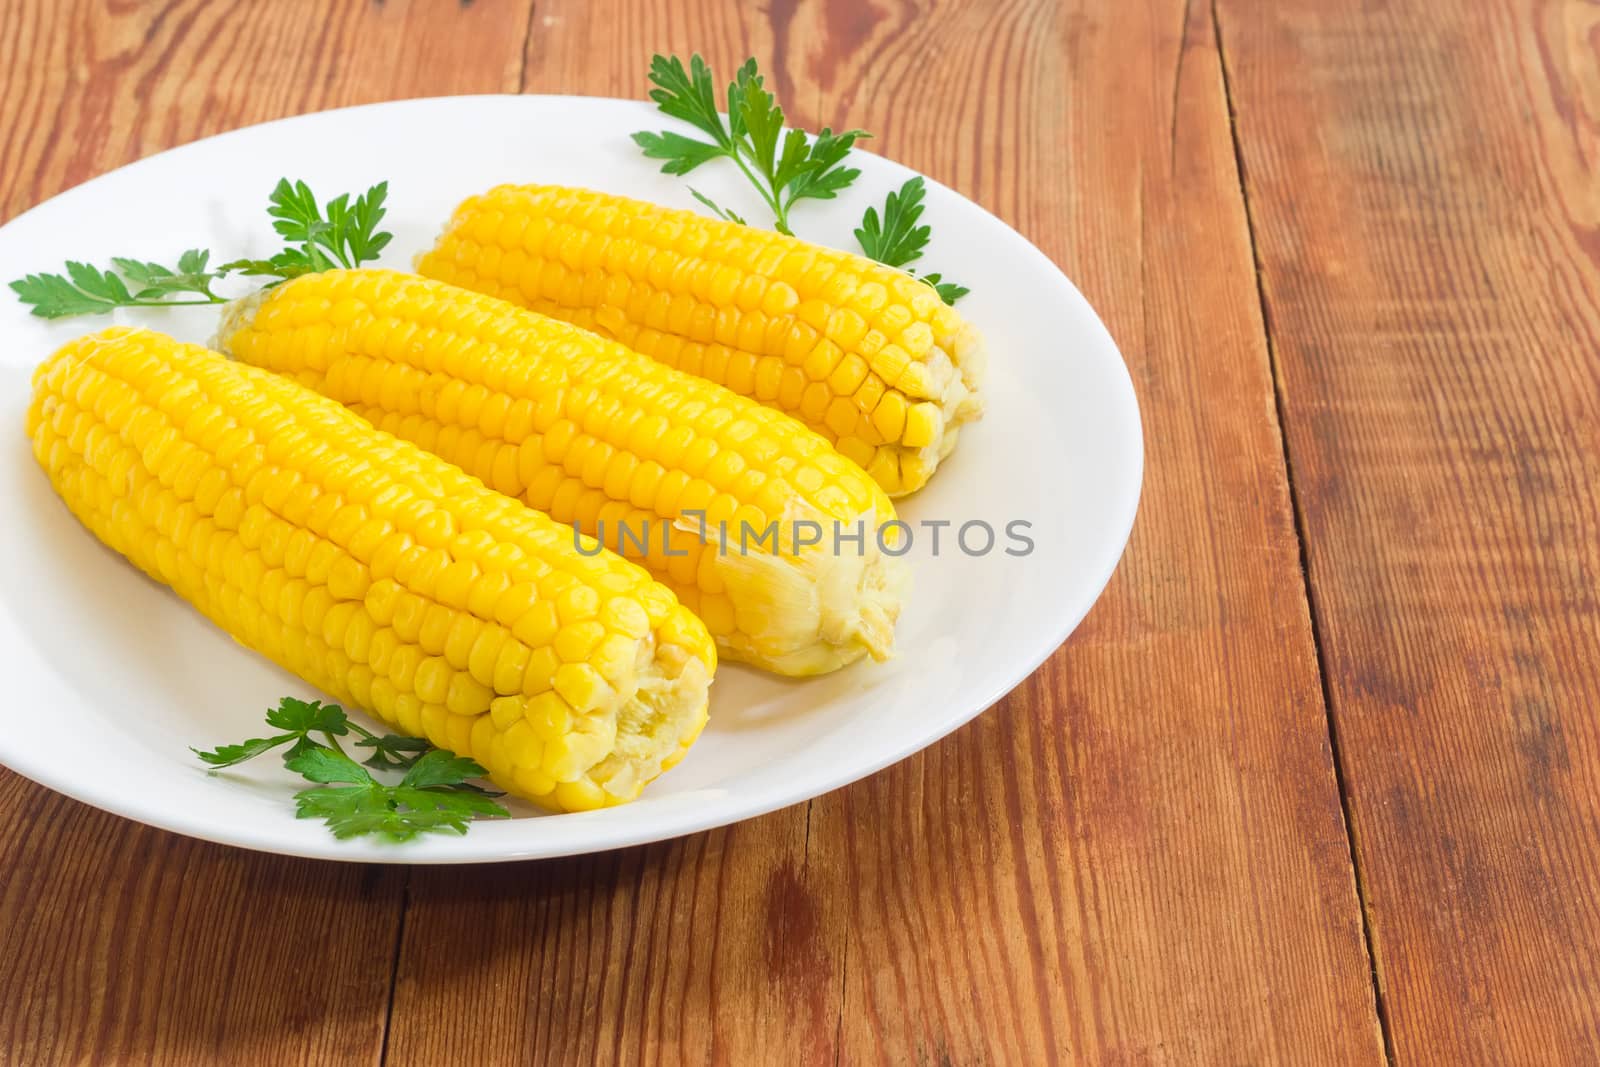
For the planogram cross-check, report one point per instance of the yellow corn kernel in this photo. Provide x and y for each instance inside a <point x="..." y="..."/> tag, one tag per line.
<point x="549" y="715"/>
<point x="841" y="417"/>
<point x="888" y="414"/>
<point x="577" y="641"/>
<point x="857" y="451"/>
<point x="580" y="685"/>
<point x="467" y="695"/>
<point x="580" y="795"/>
<point x="923" y="423"/>
<point x="432" y="680"/>
<point x="525" y="746"/>
<point x="503" y="711"/>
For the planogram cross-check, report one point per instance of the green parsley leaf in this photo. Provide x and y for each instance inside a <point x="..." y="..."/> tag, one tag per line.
<point x="754" y="114"/>
<point x="393" y="751"/>
<point x="949" y="292"/>
<point x="824" y="177"/>
<point x="434" y="796"/>
<point x="441" y="768"/>
<point x="296" y="718"/>
<point x="290" y="263"/>
<point x="897" y="239"/>
<point x="351" y="812"/>
<point x="337" y="234"/>
<point x="151" y="280"/>
<point x="305" y="716"/>
<point x="298" y="219"/>
<point x="323" y="765"/>
<point x="688" y="95"/>
<point x="682" y="154"/>
<point x="459" y="801"/>
<point x="428" y="800"/>
<point x="725" y="214"/>
<point x="90" y="290"/>
<point x="228" y="755"/>
<point x="50" y="296"/>
<point x="784" y="166"/>
<point x="295" y="211"/>
<point x="362" y="238"/>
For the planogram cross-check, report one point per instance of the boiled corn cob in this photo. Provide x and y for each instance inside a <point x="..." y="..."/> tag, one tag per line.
<point x="592" y="433"/>
<point x="862" y="353"/>
<point x="375" y="571"/>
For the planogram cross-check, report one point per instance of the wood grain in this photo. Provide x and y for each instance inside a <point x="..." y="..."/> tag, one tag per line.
<point x="1423" y="180"/>
<point x="92" y="84"/>
<point x="1139" y="856"/>
<point x="120" y="944"/>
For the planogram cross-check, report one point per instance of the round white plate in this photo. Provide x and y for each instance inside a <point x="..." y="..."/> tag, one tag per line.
<point x="110" y="677"/>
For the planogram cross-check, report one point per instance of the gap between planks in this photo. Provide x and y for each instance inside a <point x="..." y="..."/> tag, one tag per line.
<point x="394" y="966"/>
<point x="1296" y="506"/>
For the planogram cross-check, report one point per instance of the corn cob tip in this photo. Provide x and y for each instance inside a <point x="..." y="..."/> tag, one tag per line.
<point x="956" y="367"/>
<point x="654" y="729"/>
<point x="814" y="610"/>
<point x="235" y="314"/>
<point x="971" y="355"/>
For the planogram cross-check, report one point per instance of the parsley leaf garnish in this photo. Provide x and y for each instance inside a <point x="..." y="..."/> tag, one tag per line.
<point x="896" y="239"/>
<point x="295" y="718"/>
<point x="784" y="167"/>
<point x="949" y="292"/>
<point x="290" y="263"/>
<point x="337" y="234"/>
<point x="88" y="290"/>
<point x="435" y="796"/>
<point x="723" y="213"/>
<point x="393" y="751"/>
<point x="429" y="799"/>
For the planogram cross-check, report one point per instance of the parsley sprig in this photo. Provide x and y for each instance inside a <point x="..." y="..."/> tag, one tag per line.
<point x="319" y="237"/>
<point x="341" y="234"/>
<point x="88" y="290"/>
<point x="898" y="240"/>
<point x="784" y="167"/>
<point x="435" y="795"/>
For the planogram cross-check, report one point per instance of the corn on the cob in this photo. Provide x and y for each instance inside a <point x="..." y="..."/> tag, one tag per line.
<point x="590" y="432"/>
<point x="862" y="353"/>
<point x="374" y="570"/>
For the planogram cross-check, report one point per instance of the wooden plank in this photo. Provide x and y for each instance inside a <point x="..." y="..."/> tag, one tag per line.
<point x="122" y="944"/>
<point x="88" y="86"/>
<point x="1422" y="180"/>
<point x="1137" y="857"/>
<point x="119" y="943"/>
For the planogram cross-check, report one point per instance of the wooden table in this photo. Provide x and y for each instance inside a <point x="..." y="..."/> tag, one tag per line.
<point x="1317" y="781"/>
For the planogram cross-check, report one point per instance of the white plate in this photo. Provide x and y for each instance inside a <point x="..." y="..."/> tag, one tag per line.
<point x="110" y="678"/>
